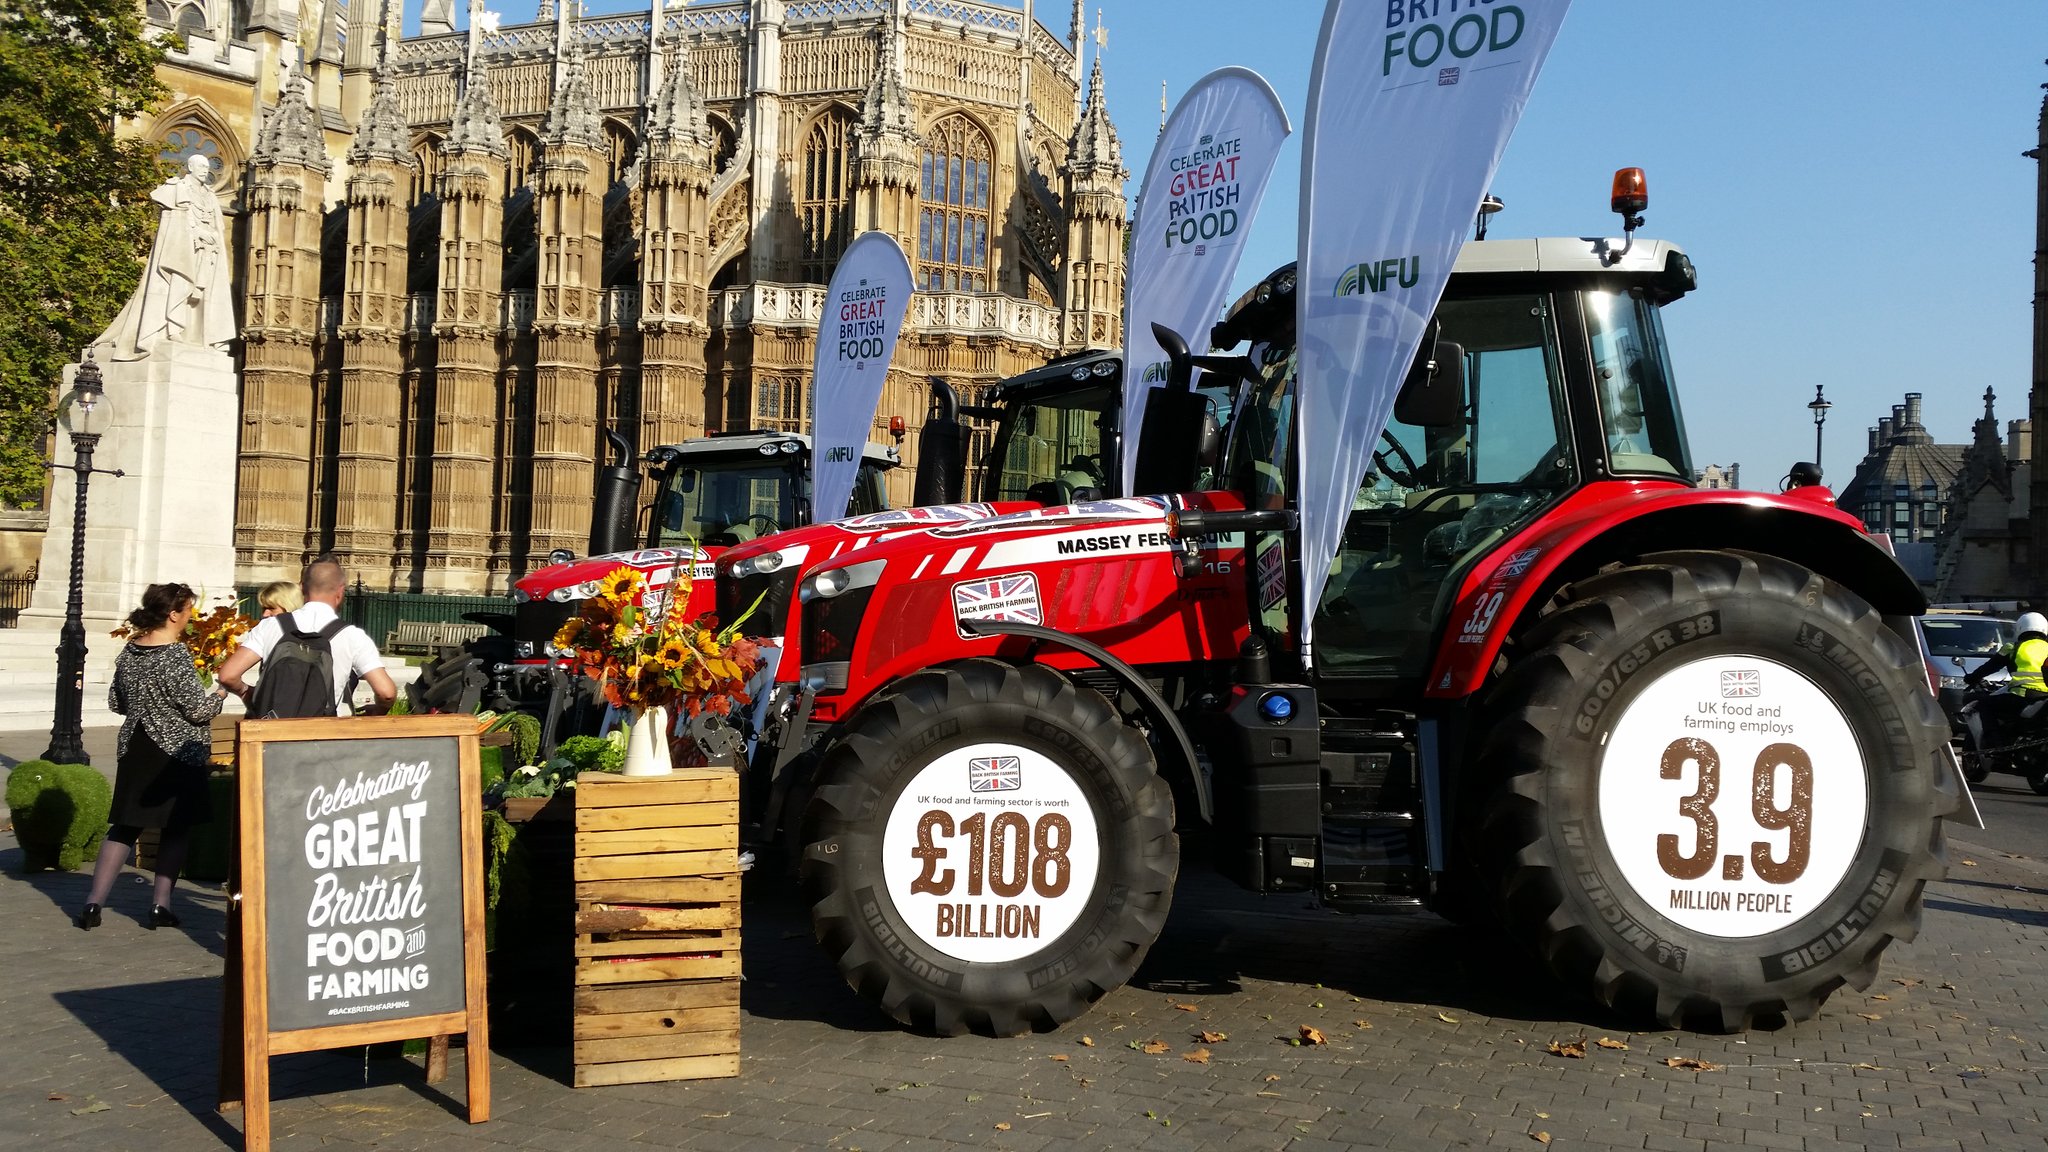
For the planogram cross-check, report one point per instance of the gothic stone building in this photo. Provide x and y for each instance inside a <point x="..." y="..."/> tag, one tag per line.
<point x="465" y="253"/>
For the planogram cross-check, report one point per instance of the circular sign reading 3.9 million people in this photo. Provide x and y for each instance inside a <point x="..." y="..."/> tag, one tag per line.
<point x="1733" y="795"/>
<point x="991" y="853"/>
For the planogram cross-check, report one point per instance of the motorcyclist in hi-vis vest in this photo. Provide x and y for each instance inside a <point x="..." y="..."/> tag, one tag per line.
<point x="2005" y="714"/>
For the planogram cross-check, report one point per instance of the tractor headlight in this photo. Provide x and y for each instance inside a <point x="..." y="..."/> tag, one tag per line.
<point x="519" y="596"/>
<point x="761" y="565"/>
<point x="827" y="584"/>
<point x="834" y="581"/>
<point x="583" y="591"/>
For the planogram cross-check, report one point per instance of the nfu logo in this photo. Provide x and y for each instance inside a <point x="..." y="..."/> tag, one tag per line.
<point x="1155" y="373"/>
<point x="1359" y="279"/>
<point x="1413" y="33"/>
<point x="839" y="454"/>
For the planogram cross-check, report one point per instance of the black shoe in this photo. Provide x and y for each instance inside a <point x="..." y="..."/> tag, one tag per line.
<point x="88" y="918"/>
<point x="159" y="917"/>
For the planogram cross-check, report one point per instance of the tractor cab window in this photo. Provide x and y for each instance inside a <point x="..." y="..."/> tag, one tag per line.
<point x="1439" y="496"/>
<point x="869" y="494"/>
<point x="725" y="503"/>
<point x="1632" y="375"/>
<point x="1050" y="448"/>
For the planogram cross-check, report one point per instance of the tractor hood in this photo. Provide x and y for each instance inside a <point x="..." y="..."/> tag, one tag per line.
<point x="577" y="580"/>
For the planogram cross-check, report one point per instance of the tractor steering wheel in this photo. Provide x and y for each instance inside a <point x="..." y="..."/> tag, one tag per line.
<point x="1412" y="478"/>
<point x="769" y="526"/>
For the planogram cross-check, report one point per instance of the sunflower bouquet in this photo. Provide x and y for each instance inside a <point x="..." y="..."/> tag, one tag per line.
<point x="212" y="638"/>
<point x="643" y="652"/>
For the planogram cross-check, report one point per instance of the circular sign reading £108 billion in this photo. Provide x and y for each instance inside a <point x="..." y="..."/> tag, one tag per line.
<point x="990" y="853"/>
<point x="1733" y="794"/>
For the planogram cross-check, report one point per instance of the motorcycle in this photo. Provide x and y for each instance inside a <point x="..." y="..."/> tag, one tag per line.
<point x="2003" y="732"/>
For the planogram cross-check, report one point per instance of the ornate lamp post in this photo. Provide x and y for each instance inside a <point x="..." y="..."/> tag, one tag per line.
<point x="1819" y="407"/>
<point x="82" y="413"/>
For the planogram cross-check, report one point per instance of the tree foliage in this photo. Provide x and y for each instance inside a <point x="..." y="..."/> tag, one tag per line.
<point x="75" y="216"/>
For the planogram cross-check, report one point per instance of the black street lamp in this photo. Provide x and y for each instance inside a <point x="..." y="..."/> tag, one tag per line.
<point x="80" y="413"/>
<point x="1819" y="407"/>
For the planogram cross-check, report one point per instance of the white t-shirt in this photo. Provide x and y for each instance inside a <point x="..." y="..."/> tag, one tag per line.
<point x="355" y="654"/>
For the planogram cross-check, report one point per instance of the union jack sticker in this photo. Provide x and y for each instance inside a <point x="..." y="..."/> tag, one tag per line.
<point x="1011" y="599"/>
<point x="1747" y="682"/>
<point x="1518" y="563"/>
<point x="995" y="774"/>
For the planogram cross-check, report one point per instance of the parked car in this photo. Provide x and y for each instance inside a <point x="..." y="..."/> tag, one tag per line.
<point x="1958" y="643"/>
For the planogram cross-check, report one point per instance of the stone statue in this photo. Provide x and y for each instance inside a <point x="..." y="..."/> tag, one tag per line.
<point x="184" y="295"/>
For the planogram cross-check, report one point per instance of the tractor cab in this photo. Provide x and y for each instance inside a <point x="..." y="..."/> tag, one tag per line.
<point x="1055" y="439"/>
<point x="1546" y="369"/>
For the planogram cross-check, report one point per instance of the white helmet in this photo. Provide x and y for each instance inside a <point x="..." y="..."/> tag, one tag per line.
<point x="2032" y="622"/>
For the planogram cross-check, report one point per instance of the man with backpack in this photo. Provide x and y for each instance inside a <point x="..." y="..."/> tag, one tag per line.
<point x="310" y="657"/>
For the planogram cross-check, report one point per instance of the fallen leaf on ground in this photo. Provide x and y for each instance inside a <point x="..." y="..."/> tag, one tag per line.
<point x="1543" y="1115"/>
<point x="1946" y="986"/>
<point x="1188" y="1007"/>
<point x="1317" y="1004"/>
<point x="1311" y="1035"/>
<point x="1906" y="983"/>
<point x="1575" y="1050"/>
<point x="1002" y="1125"/>
<point x="1969" y="863"/>
<point x="1087" y="1041"/>
<point x="1447" y="1018"/>
<point x="59" y="1096"/>
<point x="1155" y="1047"/>
<point x="1871" y="1015"/>
<point x="714" y="1115"/>
<point x="1691" y="1064"/>
<point x="1272" y="1076"/>
<point x="1361" y="1023"/>
<point x="1059" y="1056"/>
<point x="1611" y="1044"/>
<point x="89" y="1109"/>
<point x="1212" y="1037"/>
<point x="1879" y="996"/>
<point x="1198" y="1056"/>
<point x="1540" y="1137"/>
<point x="1866" y="1066"/>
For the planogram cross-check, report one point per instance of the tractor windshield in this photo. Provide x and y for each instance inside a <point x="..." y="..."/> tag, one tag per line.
<point x="1638" y="403"/>
<point x="1438" y="495"/>
<point x="722" y="501"/>
<point x="1051" y="445"/>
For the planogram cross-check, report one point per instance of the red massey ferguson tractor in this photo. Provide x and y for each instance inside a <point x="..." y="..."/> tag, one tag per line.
<point x="1679" y="742"/>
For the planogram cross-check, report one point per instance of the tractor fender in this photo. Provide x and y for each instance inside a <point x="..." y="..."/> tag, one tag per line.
<point x="1155" y="707"/>
<point x="1620" y="522"/>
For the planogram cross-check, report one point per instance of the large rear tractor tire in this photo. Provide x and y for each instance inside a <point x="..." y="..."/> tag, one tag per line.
<point x="989" y="849"/>
<point x="1716" y="790"/>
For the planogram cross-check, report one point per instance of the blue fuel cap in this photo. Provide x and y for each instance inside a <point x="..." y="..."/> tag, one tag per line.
<point x="1276" y="708"/>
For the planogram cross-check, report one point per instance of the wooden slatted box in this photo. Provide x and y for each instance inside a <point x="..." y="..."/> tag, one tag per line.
<point x="657" y="927"/>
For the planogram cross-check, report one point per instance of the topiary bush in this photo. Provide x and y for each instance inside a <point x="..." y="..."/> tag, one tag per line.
<point x="60" y="813"/>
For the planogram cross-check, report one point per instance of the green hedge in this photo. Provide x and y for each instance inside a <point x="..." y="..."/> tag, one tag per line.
<point x="60" y="813"/>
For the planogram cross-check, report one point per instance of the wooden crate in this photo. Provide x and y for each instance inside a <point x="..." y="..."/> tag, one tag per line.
<point x="657" y="927"/>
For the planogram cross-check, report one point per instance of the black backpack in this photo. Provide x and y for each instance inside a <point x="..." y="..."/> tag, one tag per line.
<point x="298" y="675"/>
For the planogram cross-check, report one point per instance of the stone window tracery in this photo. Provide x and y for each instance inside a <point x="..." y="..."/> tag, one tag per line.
<point x="953" y="214"/>
<point x="621" y="147"/>
<point x="522" y="161"/>
<point x="825" y="197"/>
<point x="426" y="169"/>
<point x="188" y="140"/>
<point x="191" y="21"/>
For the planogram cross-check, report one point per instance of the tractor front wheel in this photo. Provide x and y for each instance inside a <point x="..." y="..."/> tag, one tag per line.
<point x="989" y="849"/>
<point x="1715" y="796"/>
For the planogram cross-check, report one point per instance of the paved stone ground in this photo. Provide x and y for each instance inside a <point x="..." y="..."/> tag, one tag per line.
<point x="1435" y="1041"/>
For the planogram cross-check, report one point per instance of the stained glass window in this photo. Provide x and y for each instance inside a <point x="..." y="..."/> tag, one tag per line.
<point x="825" y="202"/>
<point x="954" y="222"/>
<point x="188" y="140"/>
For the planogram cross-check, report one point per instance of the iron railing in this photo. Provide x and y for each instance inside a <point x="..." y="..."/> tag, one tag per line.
<point x="15" y="592"/>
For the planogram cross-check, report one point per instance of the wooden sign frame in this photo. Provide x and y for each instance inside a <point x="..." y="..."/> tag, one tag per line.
<point x="247" y="1043"/>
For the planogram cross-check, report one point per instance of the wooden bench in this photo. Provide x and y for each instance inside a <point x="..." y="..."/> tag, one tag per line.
<point x="425" y="637"/>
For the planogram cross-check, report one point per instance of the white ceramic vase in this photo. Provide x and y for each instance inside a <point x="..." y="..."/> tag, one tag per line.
<point x="646" y="744"/>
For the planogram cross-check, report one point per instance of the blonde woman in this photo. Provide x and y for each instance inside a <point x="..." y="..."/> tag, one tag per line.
<point x="279" y="597"/>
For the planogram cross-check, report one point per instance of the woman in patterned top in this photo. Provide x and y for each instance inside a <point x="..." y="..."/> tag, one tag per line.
<point x="161" y="780"/>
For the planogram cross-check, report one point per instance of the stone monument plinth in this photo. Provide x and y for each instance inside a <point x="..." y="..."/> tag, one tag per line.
<point x="171" y="516"/>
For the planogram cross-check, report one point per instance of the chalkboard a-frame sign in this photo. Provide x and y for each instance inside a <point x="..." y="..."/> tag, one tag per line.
<point x="360" y="907"/>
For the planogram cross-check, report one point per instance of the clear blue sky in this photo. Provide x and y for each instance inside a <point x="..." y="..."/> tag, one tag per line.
<point x="1847" y="177"/>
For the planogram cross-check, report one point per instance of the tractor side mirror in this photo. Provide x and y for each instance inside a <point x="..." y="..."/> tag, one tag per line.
<point x="1433" y="396"/>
